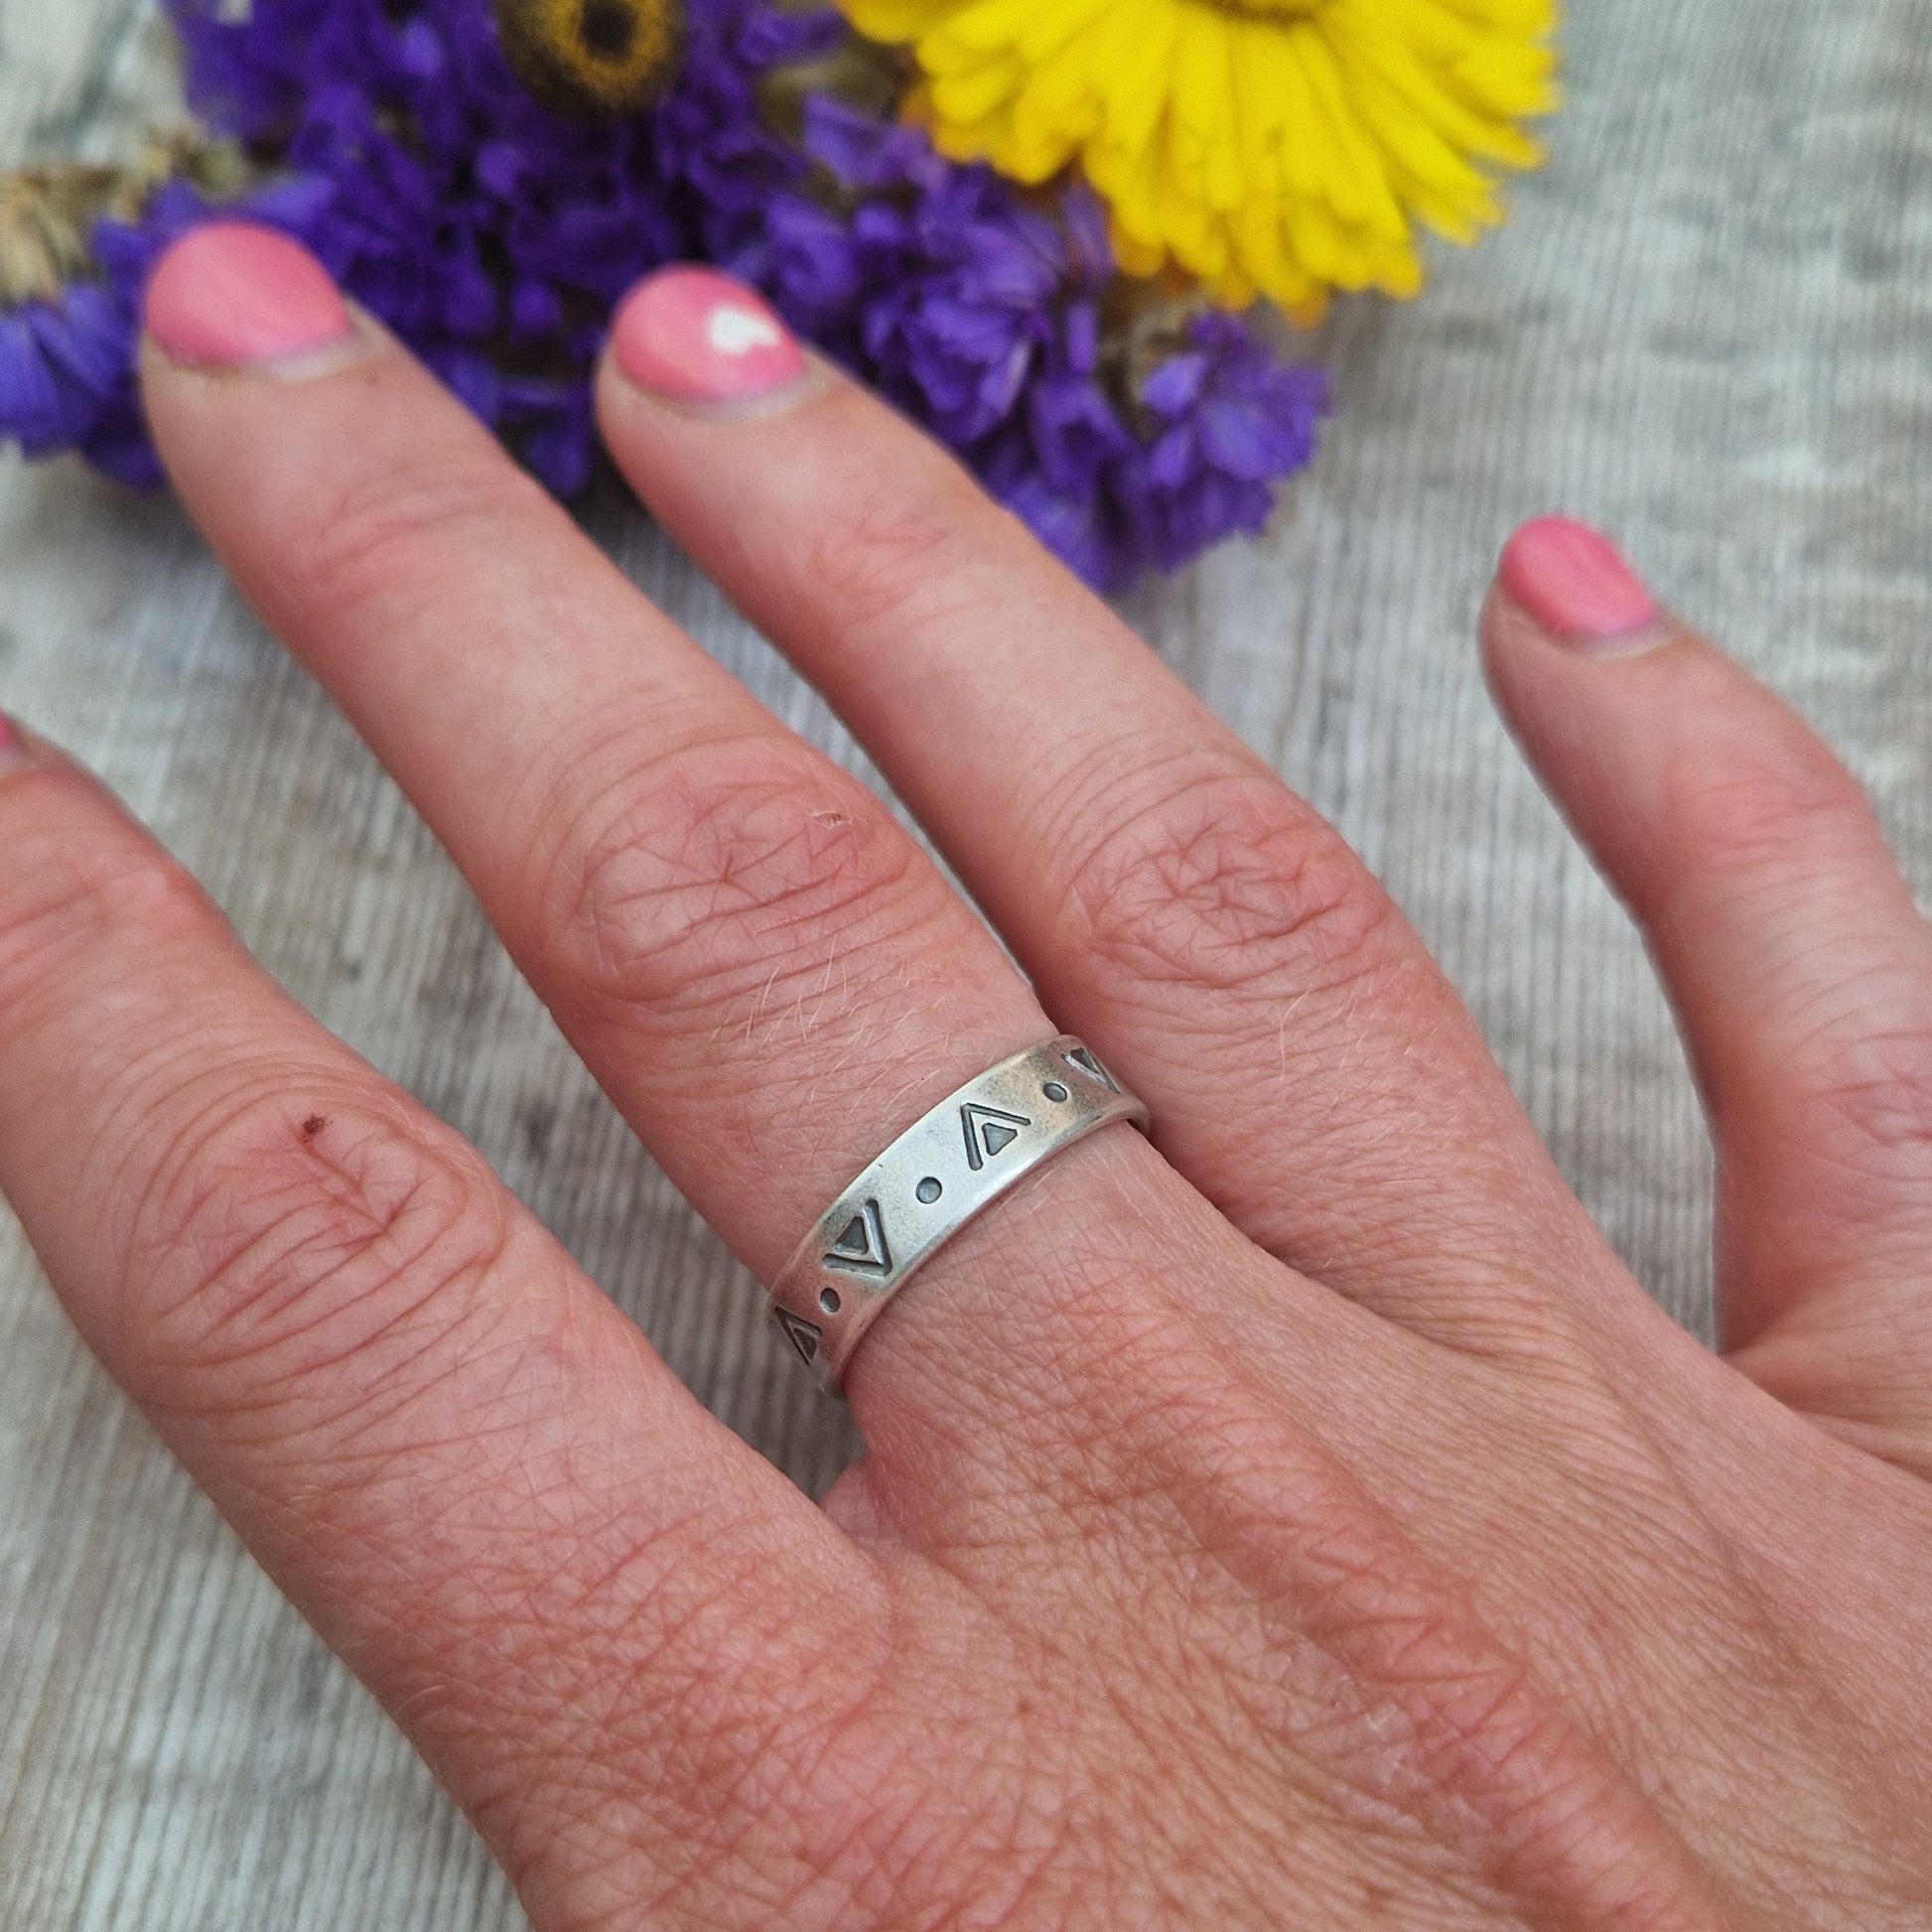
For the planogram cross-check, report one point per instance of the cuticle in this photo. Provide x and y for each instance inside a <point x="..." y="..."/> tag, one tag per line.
<point x="1637" y="642"/>
<point x="816" y="380"/>
<point x="363" y="340"/>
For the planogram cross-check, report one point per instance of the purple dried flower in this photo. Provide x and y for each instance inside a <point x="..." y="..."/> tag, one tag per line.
<point x="67" y="375"/>
<point x="1226" y="421"/>
<point x="495" y="239"/>
<point x="977" y="310"/>
<point x="58" y="363"/>
<point x="491" y="234"/>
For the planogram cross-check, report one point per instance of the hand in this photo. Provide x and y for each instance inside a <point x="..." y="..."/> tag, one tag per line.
<point x="1309" y="1523"/>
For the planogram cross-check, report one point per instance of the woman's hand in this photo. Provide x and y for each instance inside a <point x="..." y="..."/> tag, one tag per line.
<point x="1307" y="1523"/>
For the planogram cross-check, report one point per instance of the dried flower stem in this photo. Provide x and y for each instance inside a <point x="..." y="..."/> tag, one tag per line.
<point x="48" y="214"/>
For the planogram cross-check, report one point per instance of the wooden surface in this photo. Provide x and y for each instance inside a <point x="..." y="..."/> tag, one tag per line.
<point x="1710" y="327"/>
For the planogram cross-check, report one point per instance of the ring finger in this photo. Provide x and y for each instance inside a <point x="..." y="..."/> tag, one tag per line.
<point x="1174" y="902"/>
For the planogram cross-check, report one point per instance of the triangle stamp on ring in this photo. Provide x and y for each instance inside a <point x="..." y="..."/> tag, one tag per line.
<point x="802" y="1335"/>
<point x="861" y="1249"/>
<point x="1082" y="1060"/>
<point x="990" y="1131"/>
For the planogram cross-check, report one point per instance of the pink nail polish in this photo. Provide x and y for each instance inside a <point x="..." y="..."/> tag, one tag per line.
<point x="235" y="296"/>
<point x="691" y="334"/>
<point x="1573" y="583"/>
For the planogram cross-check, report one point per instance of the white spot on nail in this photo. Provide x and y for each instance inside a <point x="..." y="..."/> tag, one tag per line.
<point x="738" y="331"/>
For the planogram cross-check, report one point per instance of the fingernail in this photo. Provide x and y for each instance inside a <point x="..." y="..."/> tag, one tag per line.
<point x="13" y="746"/>
<point x="1572" y="582"/>
<point x="234" y="296"/>
<point x="693" y="335"/>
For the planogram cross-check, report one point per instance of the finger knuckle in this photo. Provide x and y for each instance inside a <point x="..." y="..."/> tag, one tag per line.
<point x="1874" y="1095"/>
<point x="900" y="549"/>
<point x="714" y="874"/>
<point x="67" y="898"/>
<point x="282" y="1242"/>
<point x="383" y="534"/>
<point x="1210" y="874"/>
<point x="1740" y="812"/>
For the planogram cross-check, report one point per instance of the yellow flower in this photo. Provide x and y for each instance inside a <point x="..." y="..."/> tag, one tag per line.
<point x="1276" y="147"/>
<point x="592" y="58"/>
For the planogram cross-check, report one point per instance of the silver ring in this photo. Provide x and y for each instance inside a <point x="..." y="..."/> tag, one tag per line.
<point x="946" y="1167"/>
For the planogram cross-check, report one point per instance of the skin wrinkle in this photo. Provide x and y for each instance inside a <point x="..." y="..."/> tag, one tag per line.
<point x="1317" y="1780"/>
<point x="900" y="556"/>
<point x="276" y="1256"/>
<point x="1193" y="849"/>
<point x="83" y="907"/>
<point x="1738" y="808"/>
<point x="377" y="1207"/>
<point x="1878" y="1089"/>
<point x="924" y="537"/>
<point x="1867" y="1143"/>
<point x="537" y="1683"/>
<point x="1872" y="1414"/>
<point x="731" y="864"/>
<point x="992" y="1863"/>
<point x="299" y="1148"/>
<point x="1097" y="692"/>
<point x="1202" y="840"/>
<point x="1812" y="1016"/>
<point x="1632" y="880"/>
<point x="546" y="1585"/>
<point x="798" y="884"/>
<point x="1075" y="1320"/>
<point x="885" y="1792"/>
<point x="385" y="547"/>
<point x="872" y="1816"/>
<point x="858" y="1061"/>
<point x="1393" y="1668"/>
<point x="1200" y="858"/>
<point x="974" y="1841"/>
<point x="1132" y="1381"/>
<point x="1142" y="1445"/>
<point x="79" y="898"/>
<point x="157" y="1084"/>
<point x="1620" y="1642"/>
<point x="642" y="1688"/>
<point x="696" y="1789"/>
<point x="1775" y="1643"/>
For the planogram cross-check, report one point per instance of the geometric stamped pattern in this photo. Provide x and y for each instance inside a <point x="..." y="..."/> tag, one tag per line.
<point x="1082" y="1061"/>
<point x="802" y="1335"/>
<point x="862" y="1248"/>
<point x="885" y="1224"/>
<point x="990" y="1131"/>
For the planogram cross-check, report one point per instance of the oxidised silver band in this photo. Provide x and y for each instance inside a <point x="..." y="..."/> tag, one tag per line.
<point x="945" y="1169"/>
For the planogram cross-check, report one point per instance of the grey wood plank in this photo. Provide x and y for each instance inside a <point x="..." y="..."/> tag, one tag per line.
<point x="1710" y="328"/>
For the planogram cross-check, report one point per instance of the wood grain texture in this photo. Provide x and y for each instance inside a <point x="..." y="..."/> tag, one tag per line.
<point x="1710" y="328"/>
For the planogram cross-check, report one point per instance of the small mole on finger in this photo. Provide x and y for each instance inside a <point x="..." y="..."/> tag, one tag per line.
<point x="313" y="1125"/>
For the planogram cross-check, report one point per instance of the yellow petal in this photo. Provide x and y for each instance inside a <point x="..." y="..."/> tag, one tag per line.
<point x="1285" y="153"/>
<point x="972" y="93"/>
<point x="894" y="20"/>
